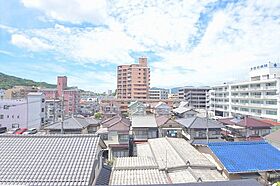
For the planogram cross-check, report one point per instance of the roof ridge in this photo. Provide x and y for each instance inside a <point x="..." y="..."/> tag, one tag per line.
<point x="119" y="120"/>
<point x="77" y="121"/>
<point x="195" y="118"/>
<point x="176" y="150"/>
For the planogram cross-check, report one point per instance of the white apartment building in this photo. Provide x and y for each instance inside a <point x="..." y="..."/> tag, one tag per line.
<point x="158" y="93"/>
<point x="259" y="96"/>
<point x="53" y="110"/>
<point x="23" y="113"/>
<point x="195" y="96"/>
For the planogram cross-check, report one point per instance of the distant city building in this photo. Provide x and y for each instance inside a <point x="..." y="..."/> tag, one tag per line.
<point x="195" y="96"/>
<point x="173" y="96"/>
<point x="53" y="110"/>
<point x="133" y="81"/>
<point x="23" y="113"/>
<point x="71" y="95"/>
<point x="258" y="97"/>
<point x="18" y="92"/>
<point x="110" y="92"/>
<point x="158" y="93"/>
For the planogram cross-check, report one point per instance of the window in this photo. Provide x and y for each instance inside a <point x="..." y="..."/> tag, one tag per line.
<point x="123" y="137"/>
<point x="1" y="116"/>
<point x="104" y="136"/>
<point x="271" y="102"/>
<point x="42" y="120"/>
<point x="6" y="107"/>
<point x="18" y="117"/>
<point x="12" y="116"/>
<point x="8" y="116"/>
<point x="15" y="125"/>
<point x="42" y="110"/>
<point x="43" y="100"/>
<point x="271" y="112"/>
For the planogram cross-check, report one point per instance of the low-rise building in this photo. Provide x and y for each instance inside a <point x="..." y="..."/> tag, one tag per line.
<point x="53" y="110"/>
<point x="19" y="92"/>
<point x="247" y="128"/>
<point x="168" y="127"/>
<point x="115" y="133"/>
<point x="109" y="109"/>
<point x="74" y="125"/>
<point x="50" y="159"/>
<point x="137" y="108"/>
<point x="164" y="161"/>
<point x="160" y="109"/>
<point x="258" y="160"/>
<point x="144" y="127"/>
<point x="197" y="128"/>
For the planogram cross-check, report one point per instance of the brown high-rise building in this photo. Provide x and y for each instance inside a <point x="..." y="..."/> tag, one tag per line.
<point x="134" y="80"/>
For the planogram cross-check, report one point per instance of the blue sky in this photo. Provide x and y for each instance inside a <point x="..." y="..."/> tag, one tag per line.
<point x="186" y="42"/>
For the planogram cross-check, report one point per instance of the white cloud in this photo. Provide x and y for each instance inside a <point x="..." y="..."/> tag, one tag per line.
<point x="236" y="37"/>
<point x="74" y="11"/>
<point x="32" y="44"/>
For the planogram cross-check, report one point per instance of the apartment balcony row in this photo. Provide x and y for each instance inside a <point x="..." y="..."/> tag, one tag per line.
<point x="254" y="88"/>
<point x="265" y="106"/>
<point x="255" y="96"/>
<point x="263" y="114"/>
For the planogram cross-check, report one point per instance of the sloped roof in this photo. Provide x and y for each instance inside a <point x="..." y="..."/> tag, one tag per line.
<point x="116" y="123"/>
<point x="246" y="122"/>
<point x="199" y="123"/>
<point x="248" y="156"/>
<point x="73" y="123"/>
<point x="274" y="138"/>
<point x="48" y="159"/>
<point x="273" y="123"/>
<point x="181" y="110"/>
<point x="138" y="121"/>
<point x="161" y="120"/>
<point x="104" y="176"/>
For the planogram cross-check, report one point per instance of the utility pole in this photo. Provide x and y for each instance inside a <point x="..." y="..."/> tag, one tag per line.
<point x="62" y="114"/>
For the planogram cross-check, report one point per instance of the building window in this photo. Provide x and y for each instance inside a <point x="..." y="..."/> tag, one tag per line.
<point x="6" y="107"/>
<point x="15" y="125"/>
<point x="42" y="120"/>
<point x="18" y="117"/>
<point x="12" y="116"/>
<point x="123" y="138"/>
<point x="8" y="116"/>
<point x="271" y="112"/>
<point x="43" y="100"/>
<point x="1" y="116"/>
<point x="42" y="110"/>
<point x="104" y="136"/>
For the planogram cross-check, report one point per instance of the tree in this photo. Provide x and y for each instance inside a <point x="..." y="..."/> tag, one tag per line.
<point x="97" y="115"/>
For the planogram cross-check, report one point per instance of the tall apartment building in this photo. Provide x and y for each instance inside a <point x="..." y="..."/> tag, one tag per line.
<point x="71" y="95"/>
<point x="258" y="97"/>
<point x="195" y="96"/>
<point x="133" y="80"/>
<point x="158" y="93"/>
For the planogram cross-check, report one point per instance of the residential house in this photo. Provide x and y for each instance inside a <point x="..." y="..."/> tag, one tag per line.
<point x="50" y="159"/>
<point x="136" y="108"/>
<point x="115" y="133"/>
<point x="74" y="125"/>
<point x="168" y="127"/>
<point x="196" y="128"/>
<point x="246" y="128"/>
<point x="160" y="108"/>
<point x="164" y="161"/>
<point x="250" y="159"/>
<point x="184" y="112"/>
<point x="144" y="127"/>
<point x="109" y="109"/>
<point x="274" y="138"/>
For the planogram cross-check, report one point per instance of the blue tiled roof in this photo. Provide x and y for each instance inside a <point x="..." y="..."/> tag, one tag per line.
<point x="242" y="157"/>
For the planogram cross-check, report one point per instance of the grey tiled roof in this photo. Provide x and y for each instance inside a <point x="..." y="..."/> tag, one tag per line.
<point x="199" y="123"/>
<point x="48" y="159"/>
<point x="73" y="123"/>
<point x="143" y="121"/>
<point x="135" y="163"/>
<point x="138" y="177"/>
<point x="104" y="175"/>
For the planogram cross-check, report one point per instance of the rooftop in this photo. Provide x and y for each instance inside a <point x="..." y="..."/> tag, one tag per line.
<point x="246" y="122"/>
<point x="138" y="121"/>
<point x="73" y="123"/>
<point x="48" y="159"/>
<point x="199" y="123"/>
<point x="248" y="156"/>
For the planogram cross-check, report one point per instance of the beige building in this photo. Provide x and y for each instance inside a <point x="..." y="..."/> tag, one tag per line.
<point x="134" y="80"/>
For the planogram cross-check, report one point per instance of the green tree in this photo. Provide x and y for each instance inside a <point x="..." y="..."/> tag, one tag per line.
<point x="97" y="115"/>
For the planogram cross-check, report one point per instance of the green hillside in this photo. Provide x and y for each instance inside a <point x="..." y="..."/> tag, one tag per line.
<point x="7" y="82"/>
